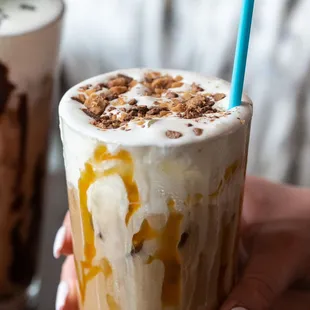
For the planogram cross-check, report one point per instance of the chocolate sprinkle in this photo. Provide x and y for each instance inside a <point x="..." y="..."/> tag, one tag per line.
<point x="29" y="7"/>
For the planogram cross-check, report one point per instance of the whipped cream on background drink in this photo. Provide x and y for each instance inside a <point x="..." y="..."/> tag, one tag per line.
<point x="155" y="169"/>
<point x="29" y="41"/>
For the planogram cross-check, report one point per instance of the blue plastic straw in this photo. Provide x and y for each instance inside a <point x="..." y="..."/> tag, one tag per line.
<point x="241" y="53"/>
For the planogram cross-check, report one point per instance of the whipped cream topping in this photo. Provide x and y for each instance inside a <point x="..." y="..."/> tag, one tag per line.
<point x="173" y="128"/>
<point x="21" y="16"/>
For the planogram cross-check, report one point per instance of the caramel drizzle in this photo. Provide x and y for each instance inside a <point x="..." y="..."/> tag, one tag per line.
<point x="168" y="239"/>
<point x="124" y="167"/>
<point x="111" y="303"/>
<point x="193" y="200"/>
<point x="229" y="173"/>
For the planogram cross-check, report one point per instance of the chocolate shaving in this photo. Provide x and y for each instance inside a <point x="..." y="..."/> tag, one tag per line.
<point x="79" y="98"/>
<point x="90" y="114"/>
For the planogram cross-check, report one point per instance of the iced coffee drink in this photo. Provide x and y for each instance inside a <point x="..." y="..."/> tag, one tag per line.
<point x="155" y="166"/>
<point x="29" y="41"/>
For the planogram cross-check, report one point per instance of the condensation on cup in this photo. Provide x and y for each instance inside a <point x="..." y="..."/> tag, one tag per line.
<point x="29" y="45"/>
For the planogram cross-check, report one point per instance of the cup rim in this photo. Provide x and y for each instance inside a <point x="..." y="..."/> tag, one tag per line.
<point x="44" y="26"/>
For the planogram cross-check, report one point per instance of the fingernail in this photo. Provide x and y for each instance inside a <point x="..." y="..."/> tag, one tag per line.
<point x="59" y="241"/>
<point x="62" y="293"/>
<point x="238" y="308"/>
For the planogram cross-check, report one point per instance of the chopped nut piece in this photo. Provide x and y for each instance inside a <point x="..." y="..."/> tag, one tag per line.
<point x="164" y="113"/>
<point x="218" y="97"/>
<point x="154" y="111"/>
<point x="117" y="82"/>
<point x="103" y="85"/>
<point x="173" y="134"/>
<point x="197" y="106"/>
<point x="148" y="92"/>
<point x="159" y="91"/>
<point x="123" y="117"/>
<point x="80" y="98"/>
<point x="97" y="88"/>
<point x="133" y="102"/>
<point x="132" y="84"/>
<point x="176" y="85"/>
<point x="83" y="88"/>
<point x="90" y="114"/>
<point x="187" y="96"/>
<point x="178" y="78"/>
<point x="111" y="96"/>
<point x="96" y="104"/>
<point x="189" y="125"/>
<point x="171" y="95"/>
<point x="161" y="83"/>
<point x="179" y="108"/>
<point x="118" y="89"/>
<point x="196" y="88"/>
<point x="198" y="131"/>
<point x="126" y="77"/>
<point x="90" y="91"/>
<point x="150" y="76"/>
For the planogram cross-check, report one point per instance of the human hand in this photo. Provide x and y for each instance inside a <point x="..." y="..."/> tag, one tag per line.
<point x="276" y="239"/>
<point x="275" y="235"/>
<point x="67" y="295"/>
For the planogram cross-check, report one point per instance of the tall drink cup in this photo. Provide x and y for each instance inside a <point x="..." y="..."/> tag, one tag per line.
<point x="155" y="167"/>
<point x="29" y="42"/>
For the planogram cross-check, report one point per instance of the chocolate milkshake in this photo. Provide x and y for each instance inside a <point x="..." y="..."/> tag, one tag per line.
<point x="29" y="41"/>
<point x="155" y="167"/>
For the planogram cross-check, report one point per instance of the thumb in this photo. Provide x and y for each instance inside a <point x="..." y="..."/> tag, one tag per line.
<point x="274" y="262"/>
